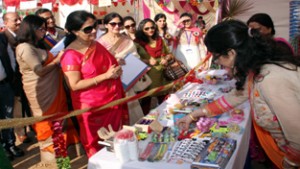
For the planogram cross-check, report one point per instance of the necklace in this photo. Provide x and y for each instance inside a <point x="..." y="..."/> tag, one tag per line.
<point x="152" y="43"/>
<point x="112" y="38"/>
<point x="82" y="46"/>
<point x="83" y="42"/>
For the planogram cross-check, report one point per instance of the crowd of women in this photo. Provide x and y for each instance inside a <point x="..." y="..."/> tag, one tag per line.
<point x="90" y="66"/>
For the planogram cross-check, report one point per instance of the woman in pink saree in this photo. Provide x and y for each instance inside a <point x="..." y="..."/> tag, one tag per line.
<point x="93" y="75"/>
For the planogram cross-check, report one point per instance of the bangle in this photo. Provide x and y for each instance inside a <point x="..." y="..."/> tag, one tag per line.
<point x="95" y="81"/>
<point x="193" y="118"/>
<point x="290" y="163"/>
<point x="205" y="112"/>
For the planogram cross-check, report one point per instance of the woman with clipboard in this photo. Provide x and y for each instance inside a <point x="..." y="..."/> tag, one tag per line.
<point x="120" y="46"/>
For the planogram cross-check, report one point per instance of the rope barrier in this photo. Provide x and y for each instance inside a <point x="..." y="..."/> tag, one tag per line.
<point x="19" y="122"/>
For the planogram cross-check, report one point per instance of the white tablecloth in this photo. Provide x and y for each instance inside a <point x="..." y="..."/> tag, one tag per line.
<point x="107" y="160"/>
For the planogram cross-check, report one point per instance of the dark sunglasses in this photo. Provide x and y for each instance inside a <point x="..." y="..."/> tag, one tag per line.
<point x="113" y="24"/>
<point x="185" y="21"/>
<point x="147" y="28"/>
<point x="42" y="29"/>
<point x="89" y="29"/>
<point x="128" y="26"/>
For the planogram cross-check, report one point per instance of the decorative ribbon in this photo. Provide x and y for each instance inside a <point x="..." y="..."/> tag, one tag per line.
<point x="208" y="6"/>
<point x="15" y="3"/>
<point x="165" y="8"/>
<point x="146" y="10"/>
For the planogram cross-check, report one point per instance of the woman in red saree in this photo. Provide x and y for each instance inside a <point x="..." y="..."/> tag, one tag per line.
<point x="93" y="75"/>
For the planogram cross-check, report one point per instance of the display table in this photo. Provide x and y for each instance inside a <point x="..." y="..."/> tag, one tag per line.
<point x="107" y="160"/>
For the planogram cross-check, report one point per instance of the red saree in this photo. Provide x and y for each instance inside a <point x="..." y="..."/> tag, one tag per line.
<point x="97" y="63"/>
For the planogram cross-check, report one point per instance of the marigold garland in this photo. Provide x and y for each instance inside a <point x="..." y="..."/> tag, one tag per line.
<point x="59" y="144"/>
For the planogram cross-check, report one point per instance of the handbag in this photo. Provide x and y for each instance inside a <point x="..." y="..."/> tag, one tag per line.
<point x="175" y="70"/>
<point x="142" y="84"/>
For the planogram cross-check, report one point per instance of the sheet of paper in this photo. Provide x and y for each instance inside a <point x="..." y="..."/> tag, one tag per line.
<point x="132" y="71"/>
<point x="58" y="47"/>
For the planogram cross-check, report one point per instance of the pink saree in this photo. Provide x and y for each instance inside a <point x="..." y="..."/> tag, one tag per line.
<point x="97" y="63"/>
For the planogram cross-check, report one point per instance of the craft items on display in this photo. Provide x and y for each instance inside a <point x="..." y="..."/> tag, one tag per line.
<point x="187" y="150"/>
<point x="236" y="116"/>
<point x="156" y="137"/>
<point x="125" y="145"/>
<point x="143" y="124"/>
<point x="216" y="155"/>
<point x="219" y="131"/>
<point x="204" y="123"/>
<point x="159" y="145"/>
<point x="154" y="152"/>
<point x="213" y="76"/>
<point x="141" y="135"/>
<point x="107" y="136"/>
<point x="166" y="136"/>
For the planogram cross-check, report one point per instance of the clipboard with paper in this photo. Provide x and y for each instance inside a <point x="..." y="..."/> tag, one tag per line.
<point x="58" y="47"/>
<point x="133" y="70"/>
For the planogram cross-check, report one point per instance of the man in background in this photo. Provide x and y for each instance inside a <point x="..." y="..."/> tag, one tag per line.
<point x="54" y="33"/>
<point x="200" y="23"/>
<point x="10" y="82"/>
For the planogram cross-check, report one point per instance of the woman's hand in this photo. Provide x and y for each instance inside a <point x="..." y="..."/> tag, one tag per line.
<point x="164" y="61"/>
<point x="184" y="123"/>
<point x="121" y="61"/>
<point x="180" y="21"/>
<point x="169" y="57"/>
<point x="58" y="57"/>
<point x="152" y="61"/>
<point x="114" y="72"/>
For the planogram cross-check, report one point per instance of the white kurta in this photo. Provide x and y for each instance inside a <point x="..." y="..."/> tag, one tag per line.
<point x="189" y="55"/>
<point x="189" y="50"/>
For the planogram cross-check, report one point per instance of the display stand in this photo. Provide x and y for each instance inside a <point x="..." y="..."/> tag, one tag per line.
<point x="107" y="160"/>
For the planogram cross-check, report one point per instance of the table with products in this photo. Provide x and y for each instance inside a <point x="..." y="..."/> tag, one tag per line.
<point x="107" y="160"/>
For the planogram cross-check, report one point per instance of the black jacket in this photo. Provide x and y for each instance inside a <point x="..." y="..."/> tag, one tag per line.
<point x="4" y="57"/>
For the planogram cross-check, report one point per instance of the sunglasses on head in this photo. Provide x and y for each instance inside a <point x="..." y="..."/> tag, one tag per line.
<point x="113" y="24"/>
<point x="147" y="28"/>
<point x="128" y="26"/>
<point x="89" y="29"/>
